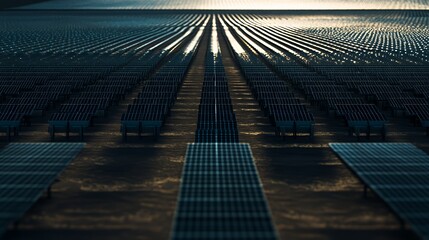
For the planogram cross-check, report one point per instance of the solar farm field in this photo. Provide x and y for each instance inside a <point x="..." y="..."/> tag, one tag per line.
<point x="211" y="125"/>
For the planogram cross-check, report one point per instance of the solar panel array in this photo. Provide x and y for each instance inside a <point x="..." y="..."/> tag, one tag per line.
<point x="79" y="112"/>
<point x="159" y="93"/>
<point x="317" y="89"/>
<point x="276" y="99"/>
<point x="78" y="66"/>
<point x="398" y="173"/>
<point x="354" y="80"/>
<point x="354" y="76"/>
<point x="216" y="118"/>
<point x="221" y="195"/>
<point x="30" y="91"/>
<point x="229" y="5"/>
<point x="26" y="171"/>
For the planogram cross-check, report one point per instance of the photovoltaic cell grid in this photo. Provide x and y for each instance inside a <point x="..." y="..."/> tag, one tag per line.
<point x="26" y="171"/>
<point x="398" y="173"/>
<point x="221" y="195"/>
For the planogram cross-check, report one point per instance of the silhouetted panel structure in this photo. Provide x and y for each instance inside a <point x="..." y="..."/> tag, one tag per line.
<point x="397" y="173"/>
<point x="27" y="170"/>
<point x="18" y="107"/>
<point x="418" y="113"/>
<point x="362" y="118"/>
<point x="221" y="195"/>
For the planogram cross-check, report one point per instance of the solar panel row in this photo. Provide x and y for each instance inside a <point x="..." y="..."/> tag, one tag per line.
<point x="216" y="118"/>
<point x="79" y="112"/>
<point x="49" y="85"/>
<point x="285" y="111"/>
<point x="397" y="172"/>
<point x="314" y="84"/>
<point x="332" y="72"/>
<point x="46" y="86"/>
<point x="26" y="171"/>
<point x="146" y="113"/>
<point x="95" y="69"/>
<point x="221" y="195"/>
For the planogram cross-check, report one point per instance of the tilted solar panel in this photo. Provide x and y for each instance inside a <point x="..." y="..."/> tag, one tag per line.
<point x="398" y="173"/>
<point x="221" y="195"/>
<point x="26" y="171"/>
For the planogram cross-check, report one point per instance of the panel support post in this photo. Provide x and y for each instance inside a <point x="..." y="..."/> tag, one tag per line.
<point x="81" y="133"/>
<point x="49" y="192"/>
<point x="357" y="132"/>
<point x="401" y="223"/>
<point x="124" y="133"/>
<point x="312" y="132"/>
<point x="8" y="134"/>
<point x="365" y="191"/>
<point x="52" y="133"/>
<point x="368" y="132"/>
<point x="16" y="224"/>
<point x="156" y="133"/>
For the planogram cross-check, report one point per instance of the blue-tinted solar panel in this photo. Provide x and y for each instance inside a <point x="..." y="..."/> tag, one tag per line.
<point x="26" y="171"/>
<point x="398" y="173"/>
<point x="221" y="195"/>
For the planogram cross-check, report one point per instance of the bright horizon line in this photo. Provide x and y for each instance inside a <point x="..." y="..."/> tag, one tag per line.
<point x="230" y="5"/>
<point x="222" y="9"/>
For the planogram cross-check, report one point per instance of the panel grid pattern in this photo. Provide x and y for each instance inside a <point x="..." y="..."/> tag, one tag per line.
<point x="398" y="173"/>
<point x="221" y="195"/>
<point x="26" y="171"/>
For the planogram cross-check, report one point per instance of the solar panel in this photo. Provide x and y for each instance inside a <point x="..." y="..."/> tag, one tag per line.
<point x="398" y="173"/>
<point x="26" y="171"/>
<point x="216" y="118"/>
<point x="221" y="195"/>
<point x="287" y="115"/>
<point x="166" y="82"/>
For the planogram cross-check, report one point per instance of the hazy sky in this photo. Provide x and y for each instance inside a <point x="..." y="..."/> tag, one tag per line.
<point x="232" y="4"/>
